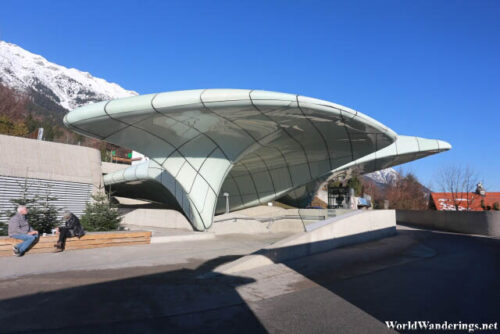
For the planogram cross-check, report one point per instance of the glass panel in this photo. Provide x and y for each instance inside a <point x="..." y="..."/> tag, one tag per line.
<point x="186" y="177"/>
<point x="281" y="179"/>
<point x="263" y="182"/>
<point x="142" y="142"/>
<point x="406" y="145"/>
<point x="198" y="192"/>
<point x="174" y="163"/>
<point x="197" y="150"/>
<point x="214" y="169"/>
<point x="131" y="109"/>
<point x="300" y="174"/>
<point x="245" y="184"/>
<point x="208" y="209"/>
<point x="174" y="132"/>
<point x="427" y="144"/>
<point x="172" y="101"/>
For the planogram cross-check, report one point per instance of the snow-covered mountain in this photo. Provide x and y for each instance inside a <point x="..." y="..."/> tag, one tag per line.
<point x="53" y="86"/>
<point x="384" y="176"/>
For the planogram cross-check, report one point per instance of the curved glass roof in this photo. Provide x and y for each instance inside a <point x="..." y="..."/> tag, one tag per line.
<point x="255" y="145"/>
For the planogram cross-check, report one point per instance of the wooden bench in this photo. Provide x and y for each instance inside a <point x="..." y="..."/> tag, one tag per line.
<point x="89" y="240"/>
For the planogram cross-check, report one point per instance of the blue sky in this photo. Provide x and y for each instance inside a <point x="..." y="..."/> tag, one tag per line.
<point x="425" y="68"/>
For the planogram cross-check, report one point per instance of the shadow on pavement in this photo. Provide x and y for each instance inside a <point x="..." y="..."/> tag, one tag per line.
<point x="170" y="301"/>
<point x="442" y="277"/>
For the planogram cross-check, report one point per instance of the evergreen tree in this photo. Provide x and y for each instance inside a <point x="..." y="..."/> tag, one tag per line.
<point x="31" y="123"/>
<point x="100" y="214"/>
<point x="42" y="214"/>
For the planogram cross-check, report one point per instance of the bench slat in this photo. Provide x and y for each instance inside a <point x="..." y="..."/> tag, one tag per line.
<point x="52" y="250"/>
<point x="90" y="240"/>
<point x="90" y="235"/>
<point x="77" y="243"/>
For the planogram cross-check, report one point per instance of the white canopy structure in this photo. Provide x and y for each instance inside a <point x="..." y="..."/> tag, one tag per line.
<point x="255" y="145"/>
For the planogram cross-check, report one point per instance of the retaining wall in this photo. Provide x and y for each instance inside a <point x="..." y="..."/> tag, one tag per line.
<point x="472" y="222"/>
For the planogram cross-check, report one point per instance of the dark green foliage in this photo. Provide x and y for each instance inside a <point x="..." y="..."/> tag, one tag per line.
<point x="100" y="214"/>
<point x="4" y="229"/>
<point x="31" y="123"/>
<point x="334" y="183"/>
<point x="496" y="206"/>
<point x="105" y="154"/>
<point x="355" y="184"/>
<point x="42" y="214"/>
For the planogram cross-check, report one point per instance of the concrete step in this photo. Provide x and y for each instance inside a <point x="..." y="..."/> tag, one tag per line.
<point x="165" y="235"/>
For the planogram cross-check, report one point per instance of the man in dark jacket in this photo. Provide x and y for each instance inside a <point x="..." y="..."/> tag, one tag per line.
<point x="19" y="228"/>
<point x="71" y="228"/>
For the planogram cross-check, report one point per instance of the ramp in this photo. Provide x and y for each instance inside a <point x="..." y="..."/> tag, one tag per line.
<point x="348" y="229"/>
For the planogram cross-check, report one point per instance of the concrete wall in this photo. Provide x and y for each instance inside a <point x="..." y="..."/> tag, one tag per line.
<point x="476" y="222"/>
<point x="108" y="167"/>
<point x="162" y="218"/>
<point x="270" y="219"/>
<point x="36" y="159"/>
<point x="69" y="173"/>
<point x="252" y="226"/>
<point x="350" y="228"/>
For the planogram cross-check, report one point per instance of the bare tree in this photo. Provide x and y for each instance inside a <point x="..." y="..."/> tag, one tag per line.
<point x="460" y="182"/>
<point x="12" y="103"/>
<point x="406" y="193"/>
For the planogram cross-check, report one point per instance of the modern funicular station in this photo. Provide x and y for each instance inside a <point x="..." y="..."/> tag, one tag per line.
<point x="211" y="147"/>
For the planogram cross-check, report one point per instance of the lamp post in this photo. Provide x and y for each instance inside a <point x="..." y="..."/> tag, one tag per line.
<point x="226" y="195"/>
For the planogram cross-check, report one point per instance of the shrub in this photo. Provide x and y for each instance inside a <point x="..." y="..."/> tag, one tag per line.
<point x="496" y="206"/>
<point x="100" y="214"/>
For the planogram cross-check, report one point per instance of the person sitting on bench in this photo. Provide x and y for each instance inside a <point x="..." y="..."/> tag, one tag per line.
<point x="19" y="228"/>
<point x="71" y="228"/>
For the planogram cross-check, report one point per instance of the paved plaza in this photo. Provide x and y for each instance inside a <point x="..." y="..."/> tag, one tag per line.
<point x="415" y="275"/>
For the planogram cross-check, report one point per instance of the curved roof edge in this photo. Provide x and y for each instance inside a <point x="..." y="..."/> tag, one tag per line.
<point x="142" y="105"/>
<point x="403" y="150"/>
